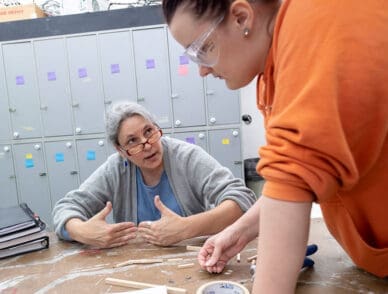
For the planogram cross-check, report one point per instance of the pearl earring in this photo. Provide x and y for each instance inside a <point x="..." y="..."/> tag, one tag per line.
<point x="246" y="32"/>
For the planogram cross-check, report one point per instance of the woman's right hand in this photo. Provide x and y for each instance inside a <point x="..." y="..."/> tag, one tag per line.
<point x="100" y="234"/>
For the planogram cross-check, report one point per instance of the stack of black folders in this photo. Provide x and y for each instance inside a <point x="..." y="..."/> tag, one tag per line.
<point x="21" y="231"/>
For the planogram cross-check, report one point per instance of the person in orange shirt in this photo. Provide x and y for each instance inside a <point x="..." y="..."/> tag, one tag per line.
<point x="322" y="69"/>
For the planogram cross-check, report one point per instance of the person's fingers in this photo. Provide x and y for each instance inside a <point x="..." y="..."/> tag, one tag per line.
<point x="105" y="211"/>
<point x="214" y="256"/>
<point x="119" y="227"/>
<point x="160" y="206"/>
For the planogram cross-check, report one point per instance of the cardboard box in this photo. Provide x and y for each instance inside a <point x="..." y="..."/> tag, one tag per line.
<point x="20" y="12"/>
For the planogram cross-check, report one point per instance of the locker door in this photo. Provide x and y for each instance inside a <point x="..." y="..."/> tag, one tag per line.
<point x="187" y="87"/>
<point x="225" y="146"/>
<point x="5" y="125"/>
<point x="86" y="85"/>
<point x="91" y="154"/>
<point x="118" y="68"/>
<point x="219" y="95"/>
<point x="54" y="87"/>
<point x="62" y="170"/>
<point x="198" y="138"/>
<point x="31" y="176"/>
<point x="8" y="194"/>
<point x="151" y="61"/>
<point x="22" y="90"/>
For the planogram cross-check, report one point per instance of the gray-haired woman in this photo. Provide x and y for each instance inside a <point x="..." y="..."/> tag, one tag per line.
<point x="163" y="189"/>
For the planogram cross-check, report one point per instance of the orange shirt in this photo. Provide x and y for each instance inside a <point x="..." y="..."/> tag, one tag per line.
<point x="324" y="95"/>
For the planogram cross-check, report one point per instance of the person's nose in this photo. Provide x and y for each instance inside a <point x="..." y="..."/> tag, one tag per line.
<point x="204" y="70"/>
<point x="147" y="146"/>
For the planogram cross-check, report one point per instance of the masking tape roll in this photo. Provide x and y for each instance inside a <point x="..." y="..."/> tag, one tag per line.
<point x="222" y="287"/>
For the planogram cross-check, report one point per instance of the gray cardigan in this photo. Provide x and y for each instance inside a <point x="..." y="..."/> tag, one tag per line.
<point x="198" y="181"/>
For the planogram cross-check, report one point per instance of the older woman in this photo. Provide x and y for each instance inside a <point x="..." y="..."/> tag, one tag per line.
<point x="164" y="189"/>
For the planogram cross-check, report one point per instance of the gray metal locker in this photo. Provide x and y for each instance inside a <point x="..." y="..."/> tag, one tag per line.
<point x="8" y="193"/>
<point x="151" y="60"/>
<point x="187" y="88"/>
<point x="5" y="125"/>
<point x="110" y="148"/>
<point x="118" y="68"/>
<point x="197" y="137"/>
<point x="31" y="177"/>
<point x="61" y="167"/>
<point x="225" y="146"/>
<point x="91" y="154"/>
<point x="86" y="84"/>
<point x="219" y="95"/>
<point x="22" y="86"/>
<point x="54" y="87"/>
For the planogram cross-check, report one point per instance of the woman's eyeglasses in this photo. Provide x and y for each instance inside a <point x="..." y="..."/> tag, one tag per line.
<point x="204" y="50"/>
<point x="133" y="149"/>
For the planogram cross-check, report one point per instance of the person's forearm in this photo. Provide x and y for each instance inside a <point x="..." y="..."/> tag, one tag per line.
<point x="283" y="237"/>
<point x="212" y="221"/>
<point x="73" y="228"/>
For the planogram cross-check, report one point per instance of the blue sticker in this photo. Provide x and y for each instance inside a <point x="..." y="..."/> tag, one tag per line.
<point x="115" y="68"/>
<point x="29" y="163"/>
<point x="51" y="76"/>
<point x="183" y="59"/>
<point x="82" y="73"/>
<point x="190" y="140"/>
<point x="19" y="80"/>
<point x="91" y="155"/>
<point x="150" y="63"/>
<point x="59" y="157"/>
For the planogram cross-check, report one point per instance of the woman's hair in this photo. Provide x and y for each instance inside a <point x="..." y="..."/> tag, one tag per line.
<point x="120" y="111"/>
<point x="201" y="8"/>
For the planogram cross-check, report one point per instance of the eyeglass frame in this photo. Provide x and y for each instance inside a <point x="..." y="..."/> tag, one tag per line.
<point x="195" y="47"/>
<point x="147" y="141"/>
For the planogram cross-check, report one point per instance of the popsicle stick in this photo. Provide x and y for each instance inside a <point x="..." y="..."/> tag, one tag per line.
<point x="193" y="248"/>
<point x="139" y="261"/>
<point x="238" y="257"/>
<point x="139" y="285"/>
<point x="249" y="259"/>
<point x="185" y="265"/>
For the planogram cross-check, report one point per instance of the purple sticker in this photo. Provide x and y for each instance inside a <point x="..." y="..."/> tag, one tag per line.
<point x="190" y="140"/>
<point x="51" y="76"/>
<point x="82" y="73"/>
<point x="150" y="63"/>
<point x="19" y="80"/>
<point x="183" y="59"/>
<point x="115" y="68"/>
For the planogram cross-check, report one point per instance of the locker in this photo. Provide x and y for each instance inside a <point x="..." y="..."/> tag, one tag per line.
<point x="54" y="87"/>
<point x="86" y="84"/>
<point x="8" y="192"/>
<point x="223" y="104"/>
<point x="5" y="125"/>
<point x="31" y="177"/>
<point x="187" y="88"/>
<point x="152" y="74"/>
<point x="21" y="80"/>
<point x="118" y="68"/>
<point x="225" y="146"/>
<point x="91" y="154"/>
<point x="62" y="169"/>
<point x="197" y="137"/>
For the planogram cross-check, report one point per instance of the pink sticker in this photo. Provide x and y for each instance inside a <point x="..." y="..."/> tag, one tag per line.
<point x="183" y="70"/>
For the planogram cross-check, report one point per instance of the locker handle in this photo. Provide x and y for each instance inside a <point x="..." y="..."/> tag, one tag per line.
<point x="210" y="92"/>
<point x="12" y="176"/>
<point x="44" y="107"/>
<point x="42" y="174"/>
<point x="174" y="96"/>
<point x="237" y="162"/>
<point x="140" y="99"/>
<point x="107" y="102"/>
<point x="13" y="109"/>
<point x="75" y="104"/>
<point x="74" y="172"/>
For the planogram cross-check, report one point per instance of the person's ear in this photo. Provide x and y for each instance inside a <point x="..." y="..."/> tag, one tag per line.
<point x="241" y="13"/>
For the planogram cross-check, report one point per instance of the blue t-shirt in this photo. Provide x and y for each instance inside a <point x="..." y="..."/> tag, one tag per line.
<point x="146" y="210"/>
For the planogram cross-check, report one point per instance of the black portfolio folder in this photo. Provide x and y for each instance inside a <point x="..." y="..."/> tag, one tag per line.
<point x="16" y="218"/>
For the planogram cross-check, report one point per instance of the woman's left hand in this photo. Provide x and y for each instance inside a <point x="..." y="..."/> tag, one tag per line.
<point x="168" y="230"/>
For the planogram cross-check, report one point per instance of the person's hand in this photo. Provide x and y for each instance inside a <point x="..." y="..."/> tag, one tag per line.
<point x="98" y="233"/>
<point x="220" y="248"/>
<point x="169" y="229"/>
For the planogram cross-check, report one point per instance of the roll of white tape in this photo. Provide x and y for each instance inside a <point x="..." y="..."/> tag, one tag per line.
<point x="222" y="287"/>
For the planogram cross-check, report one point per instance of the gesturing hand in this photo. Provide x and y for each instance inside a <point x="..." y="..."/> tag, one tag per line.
<point x="98" y="233"/>
<point x="169" y="229"/>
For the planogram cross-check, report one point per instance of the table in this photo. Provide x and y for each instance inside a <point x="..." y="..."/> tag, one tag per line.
<point x="74" y="268"/>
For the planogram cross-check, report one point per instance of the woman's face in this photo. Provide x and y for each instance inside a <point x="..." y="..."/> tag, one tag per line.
<point x="133" y="131"/>
<point x="239" y="58"/>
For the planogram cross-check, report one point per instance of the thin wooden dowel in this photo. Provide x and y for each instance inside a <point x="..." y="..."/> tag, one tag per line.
<point x="139" y="285"/>
<point x="193" y="248"/>
<point x="139" y="261"/>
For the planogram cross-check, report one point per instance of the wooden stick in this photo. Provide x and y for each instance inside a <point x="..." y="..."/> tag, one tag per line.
<point x="139" y="261"/>
<point x="138" y="285"/>
<point x="238" y="257"/>
<point x="185" y="265"/>
<point x="193" y="248"/>
<point x="249" y="259"/>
